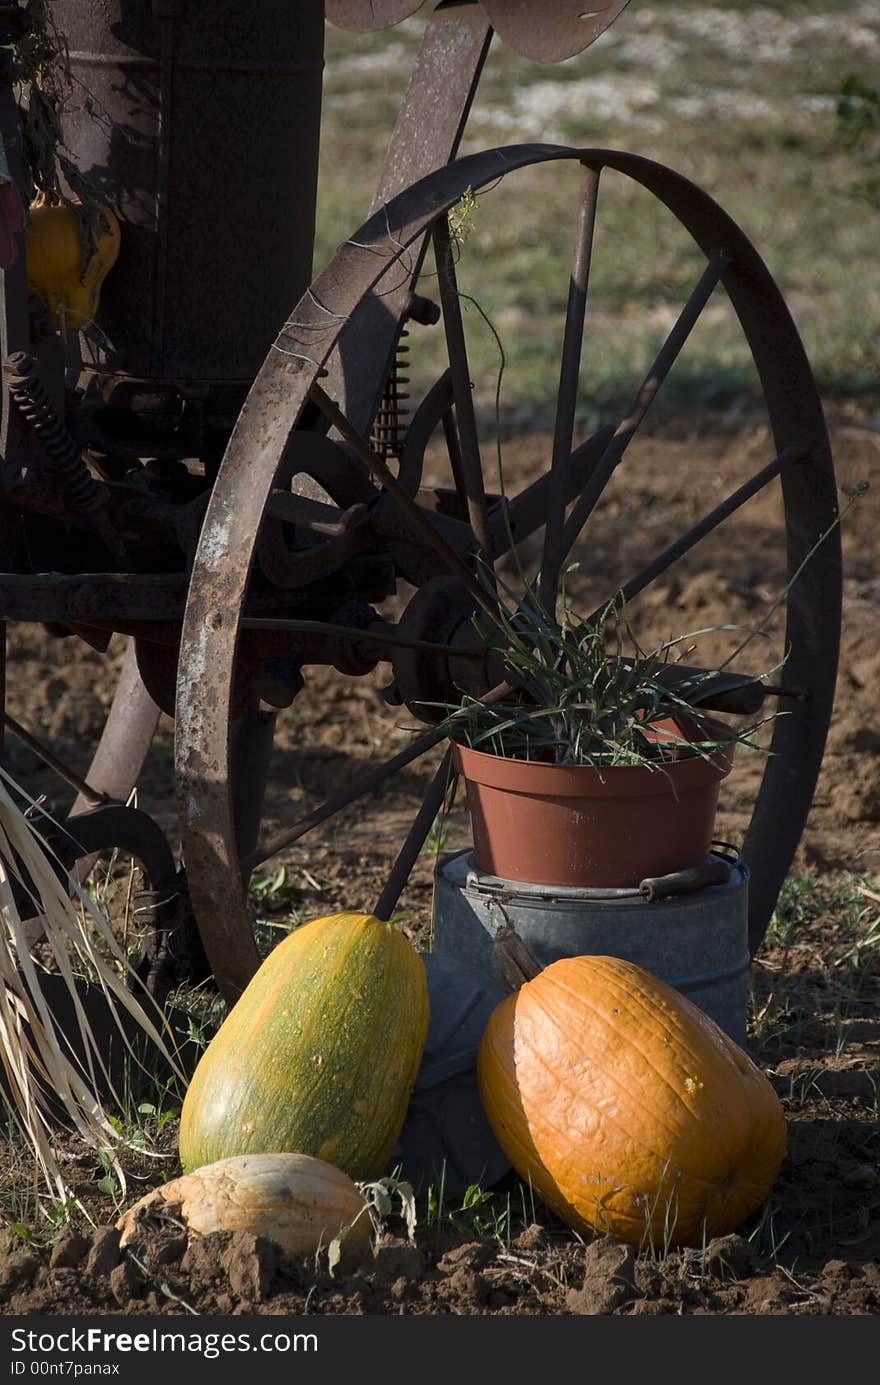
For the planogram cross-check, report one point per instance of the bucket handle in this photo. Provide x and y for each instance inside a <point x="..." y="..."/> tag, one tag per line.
<point x="715" y="870"/>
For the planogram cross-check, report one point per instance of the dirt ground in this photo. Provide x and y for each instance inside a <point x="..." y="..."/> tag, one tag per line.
<point x="814" y="1248"/>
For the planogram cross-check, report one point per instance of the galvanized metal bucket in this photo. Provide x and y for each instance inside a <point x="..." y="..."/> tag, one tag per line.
<point x="447" y="1143"/>
<point x="695" y="941"/>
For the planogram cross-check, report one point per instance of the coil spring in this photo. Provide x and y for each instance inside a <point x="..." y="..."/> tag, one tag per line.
<point x="28" y="393"/>
<point x="389" y="428"/>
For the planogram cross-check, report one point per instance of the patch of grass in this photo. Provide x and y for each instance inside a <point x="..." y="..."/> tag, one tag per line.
<point x="840" y="903"/>
<point x="272" y="891"/>
<point x="819" y="959"/>
<point x="743" y="99"/>
<point x="273" y="897"/>
<point x="495" y="1214"/>
<point x="204" y="1008"/>
<point x="41" y="1226"/>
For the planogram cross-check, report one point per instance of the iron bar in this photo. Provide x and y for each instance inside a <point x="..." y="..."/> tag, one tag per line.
<point x="470" y="482"/>
<point x="435" y="405"/>
<point x="566" y="399"/>
<point x="698" y="531"/>
<point x="335" y="416"/>
<point x="371" y="780"/>
<point x="453" y="445"/>
<point x="524" y="512"/>
<point x="349" y="632"/>
<point x="426" y="136"/>
<point x="625" y="431"/>
<point x="126" y="738"/>
<point x="415" y="840"/>
<point x="47" y="596"/>
<point x="85" y="791"/>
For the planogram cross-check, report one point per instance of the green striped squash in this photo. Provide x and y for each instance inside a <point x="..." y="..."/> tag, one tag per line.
<point x="319" y="1054"/>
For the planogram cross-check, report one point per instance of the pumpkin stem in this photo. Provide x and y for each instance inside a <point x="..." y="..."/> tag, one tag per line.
<point x="512" y="963"/>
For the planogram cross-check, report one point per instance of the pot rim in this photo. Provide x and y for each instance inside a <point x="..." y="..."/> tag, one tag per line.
<point x="540" y="778"/>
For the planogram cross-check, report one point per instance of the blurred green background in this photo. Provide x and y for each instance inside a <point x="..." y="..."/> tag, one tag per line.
<point x="771" y="108"/>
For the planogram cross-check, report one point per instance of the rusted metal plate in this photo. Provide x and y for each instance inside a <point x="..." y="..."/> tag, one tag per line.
<point x="200" y="125"/>
<point x="547" y="30"/>
<point x="426" y="136"/>
<point x="365" y="15"/>
<point x="551" y="30"/>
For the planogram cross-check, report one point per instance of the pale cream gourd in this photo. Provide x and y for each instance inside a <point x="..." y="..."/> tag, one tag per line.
<point x="299" y="1202"/>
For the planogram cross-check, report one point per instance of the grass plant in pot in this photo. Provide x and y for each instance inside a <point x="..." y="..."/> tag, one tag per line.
<point x="599" y="770"/>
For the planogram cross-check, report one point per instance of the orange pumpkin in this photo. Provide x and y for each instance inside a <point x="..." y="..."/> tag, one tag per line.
<point x="629" y="1110"/>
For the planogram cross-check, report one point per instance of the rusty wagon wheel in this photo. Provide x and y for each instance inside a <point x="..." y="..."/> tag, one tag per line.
<point x="284" y="429"/>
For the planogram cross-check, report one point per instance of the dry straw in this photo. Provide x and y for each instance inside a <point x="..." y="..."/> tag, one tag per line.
<point x="38" y="1061"/>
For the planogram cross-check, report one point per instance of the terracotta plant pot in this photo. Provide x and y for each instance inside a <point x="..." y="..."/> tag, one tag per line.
<point x="587" y="828"/>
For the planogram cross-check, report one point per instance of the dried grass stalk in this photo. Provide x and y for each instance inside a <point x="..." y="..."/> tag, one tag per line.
<point x="36" y="1057"/>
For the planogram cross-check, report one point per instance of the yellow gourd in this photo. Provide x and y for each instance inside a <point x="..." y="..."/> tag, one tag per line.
<point x="62" y="269"/>
<point x="318" y="1055"/>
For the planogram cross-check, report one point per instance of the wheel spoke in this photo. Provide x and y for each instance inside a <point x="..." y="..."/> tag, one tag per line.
<point x="470" y="479"/>
<point x="626" y="429"/>
<point x="336" y="802"/>
<point x="415" y="839"/>
<point x="93" y="797"/>
<point x="692" y="537"/>
<point x="566" y="399"/>
<point x="365" y="784"/>
<point x="513" y="520"/>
